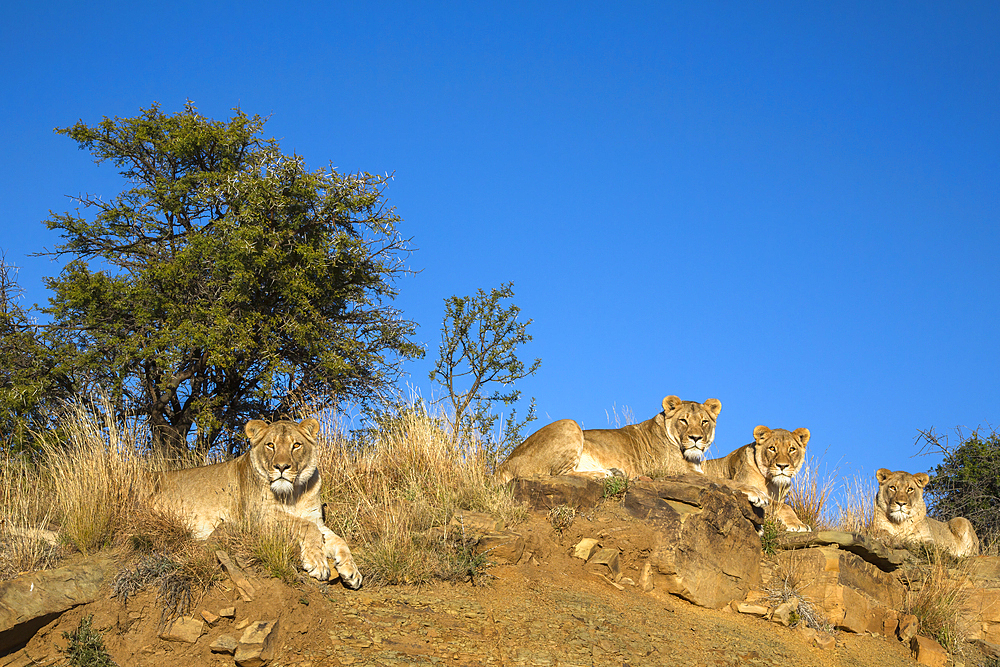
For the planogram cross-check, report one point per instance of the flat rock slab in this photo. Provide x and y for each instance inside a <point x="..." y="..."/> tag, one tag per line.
<point x="34" y="600"/>
<point x="872" y="551"/>
<point x="186" y="629"/>
<point x="256" y="646"/>
<point x="547" y="491"/>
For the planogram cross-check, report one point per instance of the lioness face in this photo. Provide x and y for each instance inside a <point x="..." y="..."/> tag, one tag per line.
<point x="691" y="425"/>
<point x="778" y="453"/>
<point x="283" y="452"/>
<point x="901" y="495"/>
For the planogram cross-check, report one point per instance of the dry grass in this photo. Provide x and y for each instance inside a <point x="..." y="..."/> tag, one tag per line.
<point x="98" y="476"/>
<point x="26" y="513"/>
<point x="809" y="496"/>
<point x="937" y="597"/>
<point x="856" y="511"/>
<point x="385" y="490"/>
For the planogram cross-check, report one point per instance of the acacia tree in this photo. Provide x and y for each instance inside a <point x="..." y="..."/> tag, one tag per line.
<point x="32" y="382"/>
<point x="479" y="341"/>
<point x="229" y="281"/>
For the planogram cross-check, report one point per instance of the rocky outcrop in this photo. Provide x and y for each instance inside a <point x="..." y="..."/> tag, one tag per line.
<point x="34" y="600"/>
<point x="704" y="548"/>
<point x="544" y="492"/>
<point x="853" y="594"/>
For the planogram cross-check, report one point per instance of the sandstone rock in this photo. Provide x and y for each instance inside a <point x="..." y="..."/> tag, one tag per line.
<point x="228" y="612"/>
<point x="545" y="492"/>
<point x="585" y="548"/>
<point x="872" y="551"/>
<point x="246" y="589"/>
<point x="907" y="629"/>
<point x="843" y="585"/>
<point x="705" y="549"/>
<point x="502" y="548"/>
<point x="474" y="524"/>
<point x="750" y="608"/>
<point x="606" y="561"/>
<point x="34" y="600"/>
<point x="256" y="646"/>
<point x="209" y="617"/>
<point x="224" y="644"/>
<point x="783" y="612"/>
<point x="883" y="621"/>
<point x="185" y="629"/>
<point x="646" y="577"/>
<point x="926" y="651"/>
<point x="819" y="639"/>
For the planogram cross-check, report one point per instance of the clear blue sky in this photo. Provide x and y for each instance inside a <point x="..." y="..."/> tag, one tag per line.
<point x="787" y="206"/>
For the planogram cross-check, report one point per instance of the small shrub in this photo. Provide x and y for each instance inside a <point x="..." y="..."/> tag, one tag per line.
<point x="806" y="612"/>
<point x="615" y="487"/>
<point x="561" y="517"/>
<point x="86" y="647"/>
<point x="771" y="529"/>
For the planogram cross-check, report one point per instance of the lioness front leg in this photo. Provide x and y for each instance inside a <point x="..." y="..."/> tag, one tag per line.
<point x="336" y="549"/>
<point x="787" y="517"/>
<point x="313" y="553"/>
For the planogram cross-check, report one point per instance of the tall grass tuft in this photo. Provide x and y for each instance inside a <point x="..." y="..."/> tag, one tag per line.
<point x="809" y="496"/>
<point x="938" y="598"/>
<point x="26" y="514"/>
<point x="385" y="489"/>
<point x="98" y="475"/>
<point x="856" y="511"/>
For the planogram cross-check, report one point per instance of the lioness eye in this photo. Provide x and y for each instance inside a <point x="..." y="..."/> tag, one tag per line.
<point x="683" y="421"/>
<point x="704" y="422"/>
<point x="270" y="445"/>
<point x="771" y="449"/>
<point x="892" y="488"/>
<point x="296" y="445"/>
<point x="791" y="450"/>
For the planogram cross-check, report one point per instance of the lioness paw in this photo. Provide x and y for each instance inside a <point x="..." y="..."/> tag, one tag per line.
<point x="315" y="565"/>
<point x="757" y="499"/>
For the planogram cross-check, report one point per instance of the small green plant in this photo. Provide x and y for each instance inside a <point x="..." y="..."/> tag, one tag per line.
<point x="561" y="517"/>
<point x="770" y="531"/>
<point x="86" y="647"/>
<point x="615" y="487"/>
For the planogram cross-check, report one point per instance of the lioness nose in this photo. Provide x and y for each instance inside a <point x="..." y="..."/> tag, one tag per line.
<point x="695" y="438"/>
<point x="282" y="467"/>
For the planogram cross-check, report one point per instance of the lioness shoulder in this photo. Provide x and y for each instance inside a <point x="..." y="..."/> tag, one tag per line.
<point x="276" y="478"/>
<point x="768" y="463"/>
<point x="674" y="441"/>
<point x="900" y="512"/>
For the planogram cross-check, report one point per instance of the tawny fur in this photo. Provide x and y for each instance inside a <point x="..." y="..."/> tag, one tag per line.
<point x="768" y="463"/>
<point x="671" y="443"/>
<point x="900" y="512"/>
<point x="276" y="479"/>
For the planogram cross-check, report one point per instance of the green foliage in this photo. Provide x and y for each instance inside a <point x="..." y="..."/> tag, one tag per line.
<point x="479" y="341"/>
<point x="615" y="486"/>
<point x="228" y="282"/>
<point x="31" y="381"/>
<point x="967" y="482"/>
<point x="86" y="647"/>
<point x="770" y="532"/>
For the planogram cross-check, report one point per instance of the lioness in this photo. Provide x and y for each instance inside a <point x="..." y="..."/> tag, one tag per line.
<point x="900" y="512"/>
<point x="769" y="462"/>
<point x="277" y="477"/>
<point x="673" y="441"/>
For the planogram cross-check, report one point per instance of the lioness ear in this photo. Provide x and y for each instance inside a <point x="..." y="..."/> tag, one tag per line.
<point x="882" y="474"/>
<point x="714" y="406"/>
<point x="671" y="403"/>
<point x="803" y="435"/>
<point x="760" y="433"/>
<point x="922" y="478"/>
<point x="310" y="426"/>
<point x="253" y="427"/>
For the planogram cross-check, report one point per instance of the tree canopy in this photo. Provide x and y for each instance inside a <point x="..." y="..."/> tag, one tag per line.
<point x="226" y="281"/>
